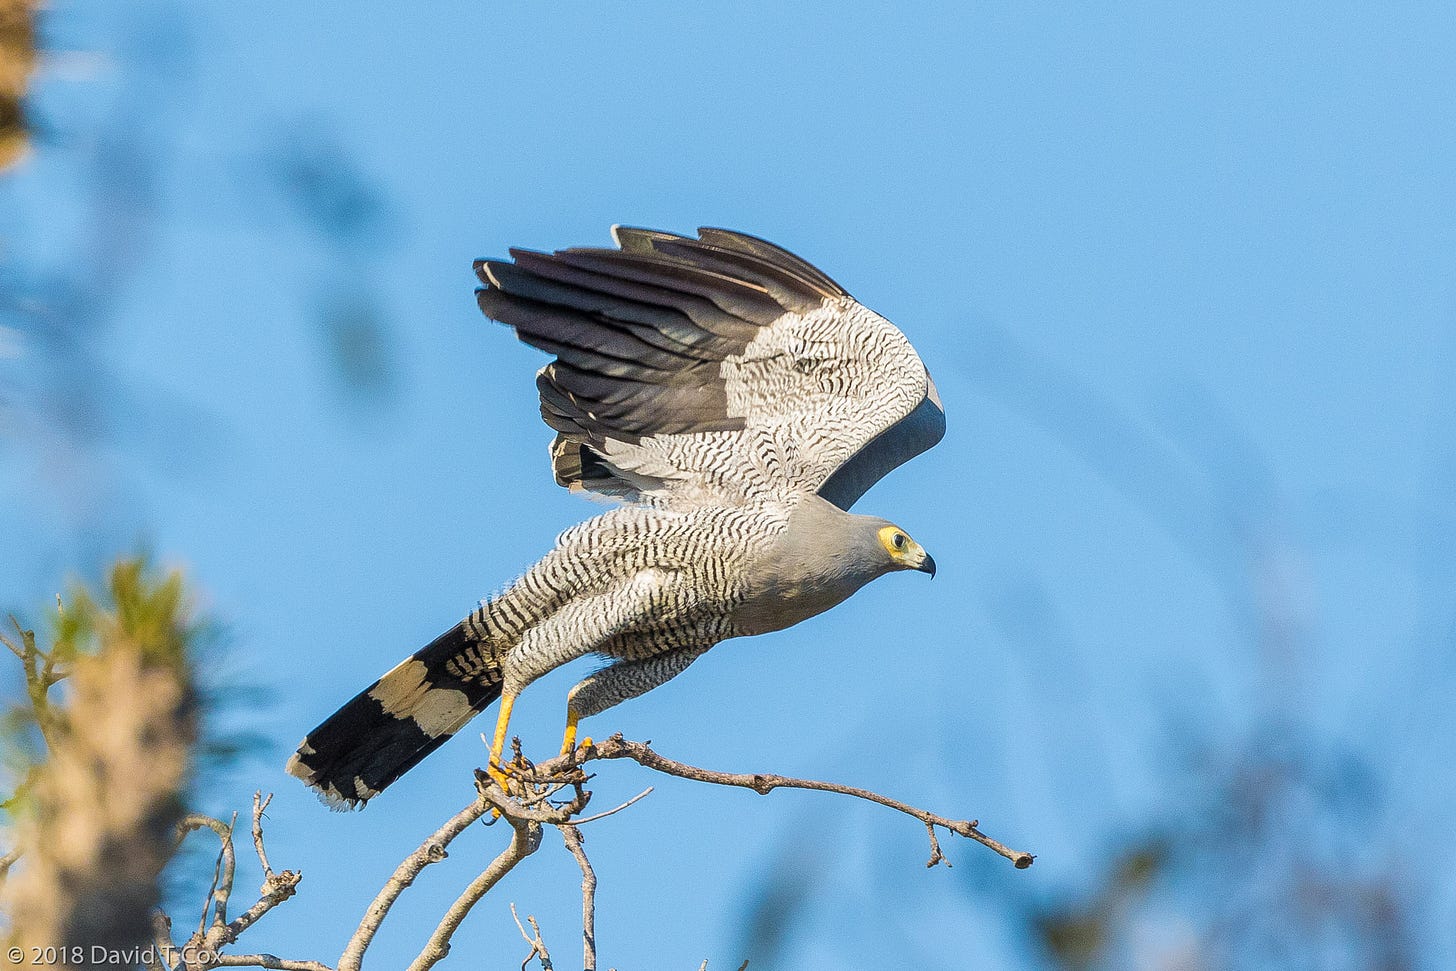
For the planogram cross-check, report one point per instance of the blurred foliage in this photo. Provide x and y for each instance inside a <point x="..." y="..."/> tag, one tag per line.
<point x="328" y="190"/>
<point x="102" y="756"/>
<point x="1270" y="866"/>
<point x="141" y="612"/>
<point x="17" y="64"/>
<point x="108" y="131"/>
<point x="349" y="214"/>
<point x="360" y="345"/>
<point x="63" y="269"/>
<point x="1075" y="933"/>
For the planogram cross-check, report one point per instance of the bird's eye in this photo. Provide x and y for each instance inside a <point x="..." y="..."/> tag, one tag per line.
<point x="898" y="540"/>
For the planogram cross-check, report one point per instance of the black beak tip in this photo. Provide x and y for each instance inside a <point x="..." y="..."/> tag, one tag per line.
<point x="928" y="566"/>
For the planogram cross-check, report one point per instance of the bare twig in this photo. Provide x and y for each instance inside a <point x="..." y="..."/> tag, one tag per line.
<point x="538" y="946"/>
<point x="571" y="836"/>
<point x="154" y="957"/>
<point x="617" y="747"/>
<point x="222" y="873"/>
<point x="525" y="839"/>
<point x="615" y="809"/>
<point x="204" y="949"/>
<point x="432" y="850"/>
<point x="7" y="861"/>
<point x="277" y="887"/>
<point x="260" y="803"/>
<point x="11" y="644"/>
<point x="162" y="937"/>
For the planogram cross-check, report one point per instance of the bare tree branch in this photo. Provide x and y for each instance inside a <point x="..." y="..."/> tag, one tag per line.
<point x="222" y="874"/>
<point x="613" y="810"/>
<point x="525" y="839"/>
<point x="571" y="836"/>
<point x="432" y="850"/>
<point x="617" y="747"/>
<point x="260" y="803"/>
<point x="7" y="861"/>
<point x="203" y="949"/>
<point x="552" y="793"/>
<point x="538" y="946"/>
<point x="162" y="937"/>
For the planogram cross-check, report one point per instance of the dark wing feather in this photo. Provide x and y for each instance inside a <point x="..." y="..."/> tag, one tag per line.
<point x="647" y="337"/>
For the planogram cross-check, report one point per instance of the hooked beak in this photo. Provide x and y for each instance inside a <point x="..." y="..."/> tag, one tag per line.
<point x="927" y="565"/>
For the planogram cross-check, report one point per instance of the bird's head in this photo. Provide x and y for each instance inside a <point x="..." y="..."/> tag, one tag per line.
<point x="902" y="551"/>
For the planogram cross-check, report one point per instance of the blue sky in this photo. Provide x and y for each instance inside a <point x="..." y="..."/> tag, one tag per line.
<point x="1184" y="278"/>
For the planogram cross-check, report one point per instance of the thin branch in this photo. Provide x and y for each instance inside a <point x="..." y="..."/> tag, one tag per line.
<point x="617" y="809"/>
<point x="277" y="887"/>
<point x="162" y="937"/>
<point x="617" y="747"/>
<point x="204" y="949"/>
<point x="7" y="861"/>
<point x="571" y="836"/>
<point x="9" y="643"/>
<point x="432" y="850"/>
<point x="525" y="839"/>
<point x="260" y="803"/>
<point x="152" y="958"/>
<point x="223" y="871"/>
<point x="538" y="946"/>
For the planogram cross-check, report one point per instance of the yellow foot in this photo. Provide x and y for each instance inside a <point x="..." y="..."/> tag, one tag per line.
<point x="505" y="773"/>
<point x="569" y="744"/>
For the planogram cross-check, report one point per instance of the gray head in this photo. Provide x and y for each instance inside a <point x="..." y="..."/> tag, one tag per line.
<point x="896" y="549"/>
<point x="853" y="546"/>
<point x="821" y="559"/>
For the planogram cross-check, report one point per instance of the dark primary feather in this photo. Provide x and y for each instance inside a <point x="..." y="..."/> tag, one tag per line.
<point x="640" y="335"/>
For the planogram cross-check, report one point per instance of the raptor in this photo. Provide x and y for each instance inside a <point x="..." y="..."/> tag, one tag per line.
<point x="736" y="402"/>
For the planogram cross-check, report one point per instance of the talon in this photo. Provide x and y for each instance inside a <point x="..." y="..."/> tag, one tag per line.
<point x="501" y="774"/>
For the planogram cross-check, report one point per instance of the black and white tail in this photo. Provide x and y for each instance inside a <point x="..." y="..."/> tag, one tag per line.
<point x="399" y="719"/>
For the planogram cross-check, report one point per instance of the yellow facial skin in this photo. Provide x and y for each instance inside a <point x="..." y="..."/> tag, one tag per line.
<point x="904" y="551"/>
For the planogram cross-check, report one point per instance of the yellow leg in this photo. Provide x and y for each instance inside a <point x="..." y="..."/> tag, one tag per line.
<point x="568" y="741"/>
<point x="493" y="768"/>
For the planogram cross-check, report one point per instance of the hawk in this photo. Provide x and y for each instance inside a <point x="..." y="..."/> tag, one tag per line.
<point x="737" y="402"/>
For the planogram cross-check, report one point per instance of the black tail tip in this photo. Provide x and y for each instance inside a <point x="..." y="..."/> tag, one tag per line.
<point x="338" y="795"/>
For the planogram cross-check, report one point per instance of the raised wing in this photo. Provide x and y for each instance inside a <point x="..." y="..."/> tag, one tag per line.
<point x="712" y="369"/>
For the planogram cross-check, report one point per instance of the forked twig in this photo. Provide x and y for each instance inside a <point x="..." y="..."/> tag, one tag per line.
<point x="538" y="946"/>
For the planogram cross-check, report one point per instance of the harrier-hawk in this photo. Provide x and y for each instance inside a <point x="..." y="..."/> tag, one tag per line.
<point x="737" y="401"/>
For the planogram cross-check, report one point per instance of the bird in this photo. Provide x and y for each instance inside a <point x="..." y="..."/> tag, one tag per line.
<point x="733" y="403"/>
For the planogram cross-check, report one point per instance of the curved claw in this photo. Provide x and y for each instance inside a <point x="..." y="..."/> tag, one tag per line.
<point x="500" y="774"/>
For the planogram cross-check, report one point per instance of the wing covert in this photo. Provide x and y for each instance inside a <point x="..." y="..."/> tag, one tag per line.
<point x="714" y="369"/>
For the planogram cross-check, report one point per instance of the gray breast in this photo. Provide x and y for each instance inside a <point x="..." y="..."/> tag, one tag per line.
<point x="820" y="559"/>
